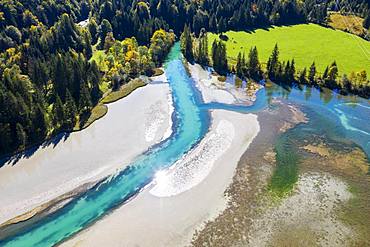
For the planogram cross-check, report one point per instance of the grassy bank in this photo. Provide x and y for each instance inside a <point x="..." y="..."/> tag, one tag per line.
<point x="123" y="91"/>
<point x="97" y="112"/>
<point x="305" y="43"/>
<point x="100" y="110"/>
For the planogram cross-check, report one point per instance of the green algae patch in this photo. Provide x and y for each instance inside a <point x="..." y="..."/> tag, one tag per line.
<point x="285" y="175"/>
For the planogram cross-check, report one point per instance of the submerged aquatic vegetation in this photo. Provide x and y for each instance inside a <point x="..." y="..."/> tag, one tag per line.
<point x="285" y="175"/>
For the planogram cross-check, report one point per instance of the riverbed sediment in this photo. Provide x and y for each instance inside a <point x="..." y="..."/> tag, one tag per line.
<point x="178" y="202"/>
<point x="181" y="199"/>
<point x="31" y="183"/>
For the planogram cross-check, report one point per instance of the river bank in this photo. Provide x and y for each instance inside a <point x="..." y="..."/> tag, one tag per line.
<point x="215" y="91"/>
<point x="328" y="205"/>
<point x="89" y="155"/>
<point x="179" y="200"/>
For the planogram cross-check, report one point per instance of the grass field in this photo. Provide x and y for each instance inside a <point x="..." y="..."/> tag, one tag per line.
<point x="305" y="43"/>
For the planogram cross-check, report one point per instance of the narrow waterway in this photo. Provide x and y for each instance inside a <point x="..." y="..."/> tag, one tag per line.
<point x="190" y="125"/>
<point x="191" y="122"/>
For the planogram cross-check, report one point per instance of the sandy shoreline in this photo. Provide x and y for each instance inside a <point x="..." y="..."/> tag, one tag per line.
<point x="179" y="201"/>
<point x="89" y="155"/>
<point x="170" y="214"/>
<point x="175" y="205"/>
<point x="215" y="91"/>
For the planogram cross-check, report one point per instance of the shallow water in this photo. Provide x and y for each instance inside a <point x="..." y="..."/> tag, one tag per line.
<point x="350" y="115"/>
<point x="191" y="124"/>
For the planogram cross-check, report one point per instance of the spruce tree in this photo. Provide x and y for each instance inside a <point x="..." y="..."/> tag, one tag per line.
<point x="85" y="99"/>
<point x="292" y="71"/>
<point x="312" y="73"/>
<point x="21" y="137"/>
<point x="87" y="43"/>
<point x="239" y="69"/>
<point x="302" y="76"/>
<point x="223" y="58"/>
<point x="60" y="71"/>
<point x="93" y="29"/>
<point x="58" y="112"/>
<point x="215" y="54"/>
<point x="254" y="67"/>
<point x="286" y="77"/>
<point x="332" y="76"/>
<point x="70" y="111"/>
<point x="6" y="138"/>
<point x="203" y="48"/>
<point x="94" y="79"/>
<point x="273" y="63"/>
<point x="219" y="57"/>
<point x="325" y="74"/>
<point x="104" y="28"/>
<point x="39" y="123"/>
<point x="186" y="43"/>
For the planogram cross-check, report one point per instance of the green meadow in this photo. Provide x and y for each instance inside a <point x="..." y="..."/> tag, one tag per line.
<point x="305" y="43"/>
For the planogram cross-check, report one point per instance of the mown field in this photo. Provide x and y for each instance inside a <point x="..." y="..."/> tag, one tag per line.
<point x="347" y="23"/>
<point x="305" y="43"/>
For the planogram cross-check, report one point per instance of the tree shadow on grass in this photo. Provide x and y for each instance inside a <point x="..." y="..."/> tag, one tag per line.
<point x="252" y="30"/>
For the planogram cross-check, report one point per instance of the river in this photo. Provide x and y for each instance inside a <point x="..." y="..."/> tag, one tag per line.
<point x="191" y="119"/>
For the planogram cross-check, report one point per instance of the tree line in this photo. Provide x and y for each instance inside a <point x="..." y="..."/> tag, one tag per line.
<point x="49" y="77"/>
<point x="282" y="72"/>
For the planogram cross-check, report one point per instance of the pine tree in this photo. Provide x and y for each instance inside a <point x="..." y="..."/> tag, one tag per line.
<point x="254" y="67"/>
<point x="60" y="71"/>
<point x="85" y="99"/>
<point x="239" y="68"/>
<point x="87" y="45"/>
<point x="332" y="75"/>
<point x="21" y="137"/>
<point x="273" y="63"/>
<point x="94" y="79"/>
<point x="286" y="77"/>
<point x="312" y="74"/>
<point x="70" y="111"/>
<point x="186" y="42"/>
<point x="333" y="71"/>
<point x="203" y="48"/>
<point x="244" y="65"/>
<point x="39" y="123"/>
<point x="58" y="112"/>
<point x="292" y="71"/>
<point x="325" y="74"/>
<point x="302" y="76"/>
<point x="93" y="29"/>
<point x="104" y="28"/>
<point x="215" y="54"/>
<point x="223" y="58"/>
<point x="6" y="138"/>
<point x="219" y="57"/>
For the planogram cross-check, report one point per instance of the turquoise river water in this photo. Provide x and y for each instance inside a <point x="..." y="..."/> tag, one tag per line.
<point x="191" y="122"/>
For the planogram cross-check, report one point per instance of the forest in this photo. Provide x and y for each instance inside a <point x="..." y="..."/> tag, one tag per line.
<point x="48" y="79"/>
